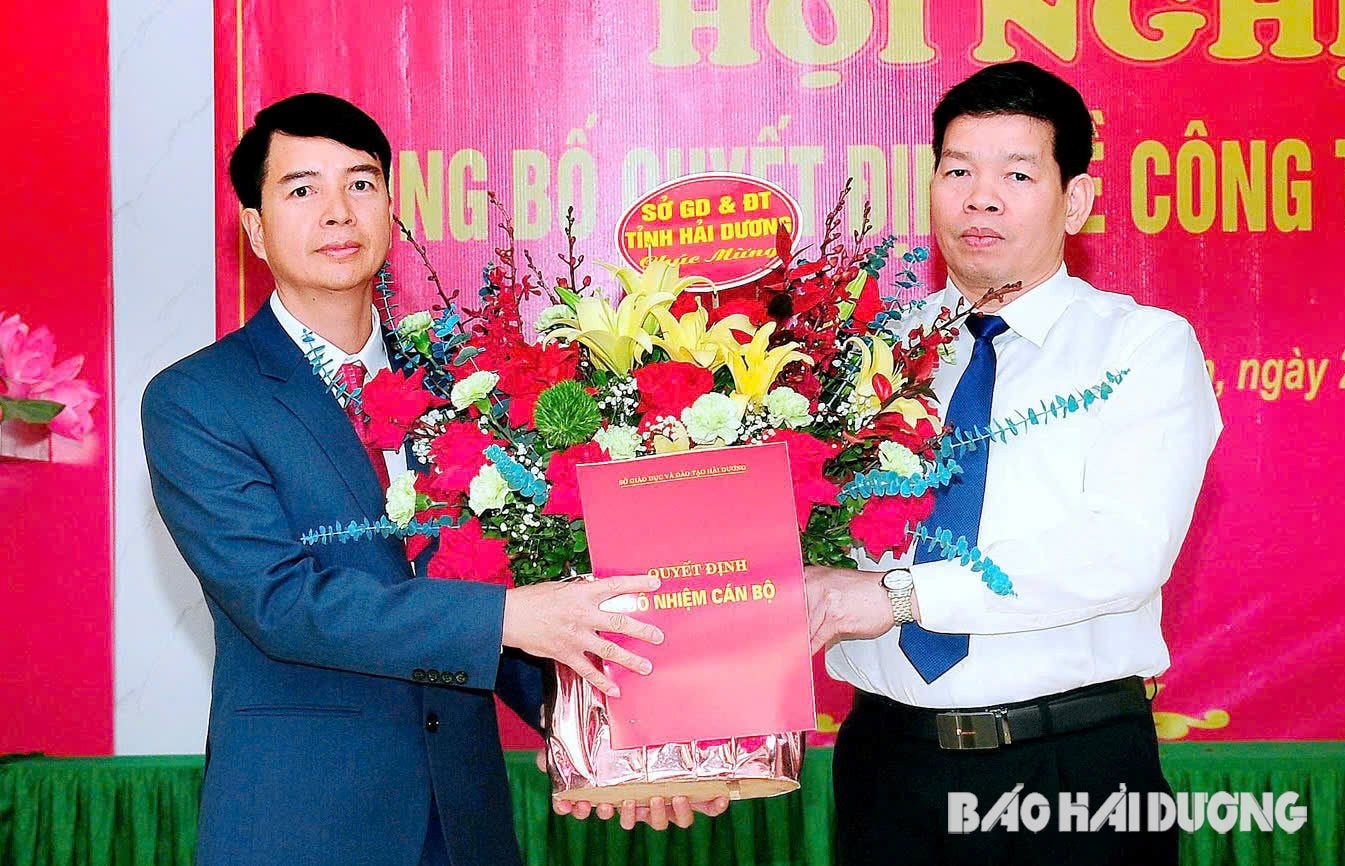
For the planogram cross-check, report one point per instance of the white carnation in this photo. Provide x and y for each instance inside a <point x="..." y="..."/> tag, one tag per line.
<point x="474" y="387"/>
<point x="786" y="407"/>
<point x="401" y="501"/>
<point x="713" y="419"/>
<point x="416" y="323"/>
<point x="552" y="317"/>
<point x="488" y="490"/>
<point x="894" y="457"/>
<point x="620" y="442"/>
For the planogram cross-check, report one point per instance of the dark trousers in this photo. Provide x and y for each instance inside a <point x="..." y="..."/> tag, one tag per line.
<point x="892" y="803"/>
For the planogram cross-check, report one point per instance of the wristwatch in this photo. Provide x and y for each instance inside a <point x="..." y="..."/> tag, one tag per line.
<point x="899" y="585"/>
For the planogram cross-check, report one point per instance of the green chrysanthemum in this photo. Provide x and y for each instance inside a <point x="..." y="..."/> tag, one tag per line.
<point x="566" y="414"/>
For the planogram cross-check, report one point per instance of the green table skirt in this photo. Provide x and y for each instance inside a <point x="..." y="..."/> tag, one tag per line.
<point x="142" y="810"/>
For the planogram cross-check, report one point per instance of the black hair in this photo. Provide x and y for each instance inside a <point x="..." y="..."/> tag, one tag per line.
<point x="307" y="115"/>
<point x="1023" y="88"/>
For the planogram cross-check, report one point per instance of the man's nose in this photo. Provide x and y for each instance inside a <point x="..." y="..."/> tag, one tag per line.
<point x="983" y="198"/>
<point x="339" y="211"/>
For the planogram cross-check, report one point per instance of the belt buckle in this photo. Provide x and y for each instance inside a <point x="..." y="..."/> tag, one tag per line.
<point x="984" y="730"/>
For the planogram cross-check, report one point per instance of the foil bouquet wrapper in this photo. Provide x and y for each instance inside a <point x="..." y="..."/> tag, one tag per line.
<point x="584" y="766"/>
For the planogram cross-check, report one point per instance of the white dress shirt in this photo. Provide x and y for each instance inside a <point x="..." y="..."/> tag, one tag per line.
<point x="1085" y="514"/>
<point x="374" y="357"/>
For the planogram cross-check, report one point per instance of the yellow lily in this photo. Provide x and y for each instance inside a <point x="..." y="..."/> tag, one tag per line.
<point x="755" y="367"/>
<point x="878" y="361"/>
<point x="687" y="339"/>
<point x="616" y="338"/>
<point x="658" y="277"/>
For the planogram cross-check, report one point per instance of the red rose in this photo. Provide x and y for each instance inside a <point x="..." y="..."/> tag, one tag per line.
<point x="669" y="387"/>
<point x="882" y="524"/>
<point x="808" y="457"/>
<point x="393" y="402"/>
<point x="528" y="371"/>
<point x="457" y="457"/>
<point x="564" y="498"/>
<point x="466" y="554"/>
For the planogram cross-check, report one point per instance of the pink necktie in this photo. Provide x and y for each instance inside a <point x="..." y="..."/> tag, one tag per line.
<point x="352" y="377"/>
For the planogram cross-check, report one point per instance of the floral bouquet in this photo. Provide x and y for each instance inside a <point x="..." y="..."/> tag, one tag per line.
<point x="816" y="354"/>
<point x="37" y="394"/>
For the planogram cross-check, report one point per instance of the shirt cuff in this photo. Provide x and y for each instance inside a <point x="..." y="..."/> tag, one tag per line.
<point x="947" y="593"/>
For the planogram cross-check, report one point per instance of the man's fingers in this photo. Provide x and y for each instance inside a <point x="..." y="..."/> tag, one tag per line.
<point x="628" y="815"/>
<point x="541" y="760"/>
<point x="606" y="811"/>
<point x="607" y="587"/>
<point x="562" y="807"/>
<point x="713" y="808"/>
<point x="582" y="809"/>
<point x="619" y="623"/>
<point x="594" y="676"/>
<point x="608" y="651"/>
<point x="682" y="815"/>
<point x="658" y="813"/>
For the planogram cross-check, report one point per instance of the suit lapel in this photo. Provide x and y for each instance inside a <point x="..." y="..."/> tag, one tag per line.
<point x="305" y="395"/>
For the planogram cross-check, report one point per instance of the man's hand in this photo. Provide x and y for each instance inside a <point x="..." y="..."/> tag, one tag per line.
<point x="561" y="621"/>
<point x="655" y="814"/>
<point x="844" y="604"/>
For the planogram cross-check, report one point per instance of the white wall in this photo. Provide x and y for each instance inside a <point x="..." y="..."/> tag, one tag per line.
<point x="163" y="278"/>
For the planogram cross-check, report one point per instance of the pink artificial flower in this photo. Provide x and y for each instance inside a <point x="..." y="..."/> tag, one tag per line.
<point x="28" y="372"/>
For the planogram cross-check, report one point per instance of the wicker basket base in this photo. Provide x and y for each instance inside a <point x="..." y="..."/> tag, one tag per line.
<point x="696" y="791"/>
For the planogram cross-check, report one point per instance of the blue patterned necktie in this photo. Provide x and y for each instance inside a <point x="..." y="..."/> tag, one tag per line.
<point x="957" y="507"/>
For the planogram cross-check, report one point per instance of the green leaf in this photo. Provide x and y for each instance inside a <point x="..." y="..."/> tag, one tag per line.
<point x="568" y="297"/>
<point x="30" y="411"/>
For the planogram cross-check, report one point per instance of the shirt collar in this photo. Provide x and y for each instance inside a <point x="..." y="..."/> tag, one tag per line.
<point x="374" y="355"/>
<point x="1033" y="313"/>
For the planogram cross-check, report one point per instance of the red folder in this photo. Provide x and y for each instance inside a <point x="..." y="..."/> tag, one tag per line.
<point x="719" y="527"/>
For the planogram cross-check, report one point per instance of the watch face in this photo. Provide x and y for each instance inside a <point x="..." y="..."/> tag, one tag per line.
<point x="897" y="580"/>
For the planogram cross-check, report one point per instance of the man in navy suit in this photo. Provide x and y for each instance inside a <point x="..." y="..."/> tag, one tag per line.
<point x="352" y="717"/>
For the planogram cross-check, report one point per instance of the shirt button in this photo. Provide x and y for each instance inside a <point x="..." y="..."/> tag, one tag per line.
<point x="431" y="723"/>
<point x="432" y="675"/>
<point x="418" y="675"/>
<point x="460" y="678"/>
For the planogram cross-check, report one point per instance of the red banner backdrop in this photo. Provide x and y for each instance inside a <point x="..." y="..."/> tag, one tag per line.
<point x="1222" y="197"/>
<point x="56" y="691"/>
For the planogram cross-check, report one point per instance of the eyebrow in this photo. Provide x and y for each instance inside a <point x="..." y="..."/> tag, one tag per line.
<point x="362" y="168"/>
<point x="1008" y="157"/>
<point x="297" y="175"/>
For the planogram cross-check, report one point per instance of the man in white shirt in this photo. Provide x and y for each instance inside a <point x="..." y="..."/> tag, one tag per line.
<point x="959" y="689"/>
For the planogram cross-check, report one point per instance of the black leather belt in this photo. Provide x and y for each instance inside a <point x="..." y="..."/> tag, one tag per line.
<point x="992" y="727"/>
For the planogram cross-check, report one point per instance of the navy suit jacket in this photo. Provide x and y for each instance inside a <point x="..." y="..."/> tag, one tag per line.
<point x="327" y="736"/>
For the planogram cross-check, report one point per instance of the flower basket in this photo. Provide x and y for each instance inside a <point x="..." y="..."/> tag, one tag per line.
<point x="583" y="765"/>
